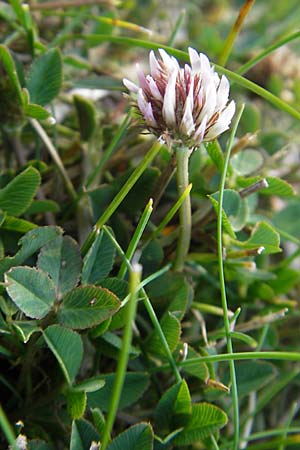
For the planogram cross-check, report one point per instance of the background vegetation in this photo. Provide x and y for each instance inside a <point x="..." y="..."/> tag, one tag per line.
<point x="101" y="341"/>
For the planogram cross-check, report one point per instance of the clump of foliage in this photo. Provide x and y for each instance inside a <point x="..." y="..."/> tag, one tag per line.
<point x="103" y="343"/>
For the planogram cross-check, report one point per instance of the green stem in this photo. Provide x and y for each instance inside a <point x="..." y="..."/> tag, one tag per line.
<point x="55" y="156"/>
<point x="185" y="217"/>
<point x="239" y="356"/>
<point x="150" y="311"/>
<point x="120" y="196"/>
<point x="134" y="280"/>
<point x="222" y="283"/>
<point x="7" y="429"/>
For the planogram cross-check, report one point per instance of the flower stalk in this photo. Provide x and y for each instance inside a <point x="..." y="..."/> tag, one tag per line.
<point x="185" y="220"/>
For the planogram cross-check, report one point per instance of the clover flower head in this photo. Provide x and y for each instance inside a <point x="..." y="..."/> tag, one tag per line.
<point x="183" y="105"/>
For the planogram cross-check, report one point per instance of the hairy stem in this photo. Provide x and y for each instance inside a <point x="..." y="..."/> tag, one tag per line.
<point x="185" y="220"/>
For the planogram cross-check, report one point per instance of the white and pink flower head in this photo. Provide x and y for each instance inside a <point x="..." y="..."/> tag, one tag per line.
<point x="183" y="105"/>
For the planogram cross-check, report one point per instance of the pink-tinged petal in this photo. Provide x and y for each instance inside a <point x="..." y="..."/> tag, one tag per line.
<point x="146" y="109"/>
<point x="199" y="134"/>
<point x="154" y="65"/>
<point x="141" y="77"/>
<point x="130" y="86"/>
<point x="187" y="125"/>
<point x="170" y="62"/>
<point x="154" y="89"/>
<point x="195" y="60"/>
<point x="222" y="93"/>
<point x="210" y="101"/>
<point x="169" y="104"/>
<point x="223" y="122"/>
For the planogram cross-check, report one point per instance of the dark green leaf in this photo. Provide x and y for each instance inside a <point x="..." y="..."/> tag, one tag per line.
<point x="67" y="347"/>
<point x="87" y="306"/>
<point x="30" y="244"/>
<point x="171" y="328"/>
<point x="99" y="260"/>
<point x="137" y="437"/>
<point x="87" y="117"/>
<point x="31" y="290"/>
<point x="26" y="328"/>
<point x="17" y="195"/>
<point x="76" y="403"/>
<point x="61" y="259"/>
<point x="45" y="77"/>
<point x="134" y="387"/>
<point x="82" y="435"/>
<point x="205" y="419"/>
<point x="173" y="408"/>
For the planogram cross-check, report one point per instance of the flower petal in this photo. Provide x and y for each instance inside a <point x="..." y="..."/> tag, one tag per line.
<point x="154" y="64"/>
<point x="153" y="88"/>
<point x="222" y="93"/>
<point x="169" y="104"/>
<point x="170" y="62"/>
<point x="146" y="109"/>
<point x="223" y="122"/>
<point x="199" y="134"/>
<point x="187" y="125"/>
<point x="130" y="86"/>
<point x="210" y="101"/>
<point x="141" y="77"/>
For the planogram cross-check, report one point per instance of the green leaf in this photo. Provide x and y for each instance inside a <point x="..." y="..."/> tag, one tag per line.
<point x="199" y="369"/>
<point x="8" y="63"/>
<point x="90" y="385"/>
<point x="137" y="437"/>
<point x="87" y="117"/>
<point x="134" y="387"/>
<point x="82" y="435"/>
<point x="247" y="161"/>
<point x="31" y="290"/>
<point x="111" y="345"/>
<point x="225" y="221"/>
<point x="278" y="187"/>
<point x="252" y="376"/>
<point x="173" y="408"/>
<point x="18" y="225"/>
<point x="99" y="260"/>
<point x="99" y="420"/>
<point x="61" y="259"/>
<point x="76" y="403"/>
<point x="87" y="306"/>
<point x="215" y="153"/>
<point x="25" y="329"/>
<point x="37" y="444"/>
<point x="235" y="208"/>
<point x="17" y="195"/>
<point x="41" y="206"/>
<point x="288" y="219"/>
<point x="30" y="244"/>
<point x="205" y="419"/>
<point x="171" y="328"/>
<point x="263" y="235"/>
<point x="67" y="347"/>
<point x="45" y="77"/>
<point x="36" y="111"/>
